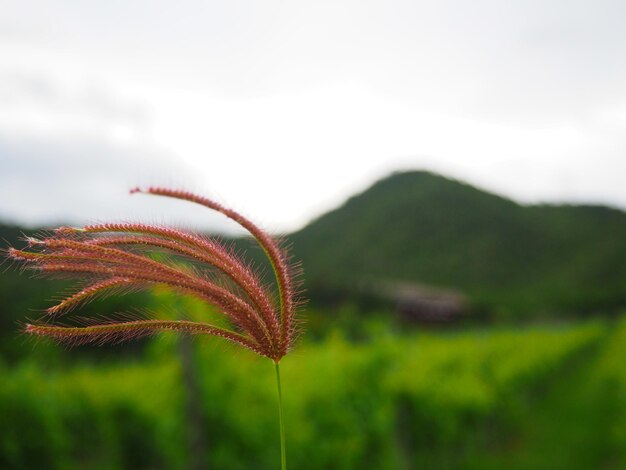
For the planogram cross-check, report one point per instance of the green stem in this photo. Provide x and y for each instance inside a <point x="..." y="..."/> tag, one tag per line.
<point x="283" y="452"/>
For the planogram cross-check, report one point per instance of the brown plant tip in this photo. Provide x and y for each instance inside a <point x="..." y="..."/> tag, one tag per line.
<point x="117" y="258"/>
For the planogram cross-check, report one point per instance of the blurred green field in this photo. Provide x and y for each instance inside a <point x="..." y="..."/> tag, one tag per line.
<point x="550" y="396"/>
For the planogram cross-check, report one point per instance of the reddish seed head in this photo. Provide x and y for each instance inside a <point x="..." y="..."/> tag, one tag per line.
<point x="117" y="255"/>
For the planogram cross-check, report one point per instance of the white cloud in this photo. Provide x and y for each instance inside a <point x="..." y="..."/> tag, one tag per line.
<point x="285" y="108"/>
<point x="52" y="181"/>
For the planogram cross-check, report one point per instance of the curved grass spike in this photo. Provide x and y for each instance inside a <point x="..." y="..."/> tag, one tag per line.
<point x="123" y="331"/>
<point x="270" y="247"/>
<point x="115" y="258"/>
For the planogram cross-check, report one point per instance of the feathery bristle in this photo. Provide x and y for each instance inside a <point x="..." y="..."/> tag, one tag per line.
<point x="86" y="293"/>
<point x="275" y="255"/>
<point x="117" y="256"/>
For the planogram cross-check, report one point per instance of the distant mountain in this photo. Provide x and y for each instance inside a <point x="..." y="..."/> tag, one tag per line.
<point x="418" y="227"/>
<point x="507" y="258"/>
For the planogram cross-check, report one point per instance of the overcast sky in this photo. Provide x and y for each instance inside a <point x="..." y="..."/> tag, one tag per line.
<point x="284" y="109"/>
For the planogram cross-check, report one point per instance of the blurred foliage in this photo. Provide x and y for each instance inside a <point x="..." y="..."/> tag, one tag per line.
<point x="428" y="400"/>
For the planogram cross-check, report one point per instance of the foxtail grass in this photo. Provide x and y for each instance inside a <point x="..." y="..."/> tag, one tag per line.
<point x="117" y="258"/>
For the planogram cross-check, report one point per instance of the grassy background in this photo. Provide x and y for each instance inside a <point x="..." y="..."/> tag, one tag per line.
<point x="535" y="377"/>
<point x="539" y="397"/>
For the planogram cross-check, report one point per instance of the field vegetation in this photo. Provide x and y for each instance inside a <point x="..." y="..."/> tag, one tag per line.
<point x="467" y="399"/>
<point x="532" y="377"/>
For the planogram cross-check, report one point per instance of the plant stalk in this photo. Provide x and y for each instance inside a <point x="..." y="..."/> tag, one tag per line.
<point x="283" y="451"/>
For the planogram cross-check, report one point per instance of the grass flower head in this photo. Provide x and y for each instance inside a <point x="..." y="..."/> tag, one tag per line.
<point x="118" y="257"/>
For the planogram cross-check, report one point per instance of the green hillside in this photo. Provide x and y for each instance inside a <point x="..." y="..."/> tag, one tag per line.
<point x="507" y="258"/>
